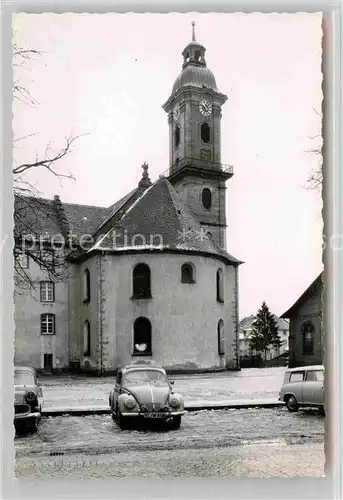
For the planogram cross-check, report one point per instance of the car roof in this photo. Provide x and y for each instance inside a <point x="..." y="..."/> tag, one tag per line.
<point x="141" y="366"/>
<point x="308" y="367"/>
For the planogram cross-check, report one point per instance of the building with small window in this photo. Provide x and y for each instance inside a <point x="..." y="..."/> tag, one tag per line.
<point x="150" y="276"/>
<point x="245" y="331"/>
<point x="305" y="316"/>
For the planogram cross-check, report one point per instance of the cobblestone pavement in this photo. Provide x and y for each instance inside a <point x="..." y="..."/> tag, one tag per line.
<point x="73" y="391"/>
<point x="249" y="442"/>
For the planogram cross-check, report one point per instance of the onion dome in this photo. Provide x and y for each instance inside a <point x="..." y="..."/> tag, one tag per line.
<point x="194" y="71"/>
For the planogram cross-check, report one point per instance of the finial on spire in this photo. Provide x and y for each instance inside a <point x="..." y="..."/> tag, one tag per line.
<point x="145" y="180"/>
<point x="193" y="31"/>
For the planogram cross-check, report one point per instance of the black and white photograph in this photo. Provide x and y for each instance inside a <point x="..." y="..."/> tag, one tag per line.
<point x="168" y="242"/>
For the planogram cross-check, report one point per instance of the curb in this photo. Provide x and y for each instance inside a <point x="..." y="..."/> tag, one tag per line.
<point x="191" y="407"/>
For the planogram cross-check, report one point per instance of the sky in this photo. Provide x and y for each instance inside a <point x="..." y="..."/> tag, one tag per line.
<point x="104" y="77"/>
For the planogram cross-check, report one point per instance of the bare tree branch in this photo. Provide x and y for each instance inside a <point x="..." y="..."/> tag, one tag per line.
<point x="32" y="214"/>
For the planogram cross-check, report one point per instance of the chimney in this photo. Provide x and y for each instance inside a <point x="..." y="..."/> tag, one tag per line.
<point x="61" y="216"/>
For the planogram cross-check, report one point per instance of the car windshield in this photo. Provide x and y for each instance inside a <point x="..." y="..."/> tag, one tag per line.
<point x="146" y="376"/>
<point x="23" y="377"/>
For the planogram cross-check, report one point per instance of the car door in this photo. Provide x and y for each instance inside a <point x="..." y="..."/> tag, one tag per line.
<point x="295" y="386"/>
<point x="313" y="391"/>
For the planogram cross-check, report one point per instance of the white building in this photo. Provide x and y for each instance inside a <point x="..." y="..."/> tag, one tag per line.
<point x="245" y="331"/>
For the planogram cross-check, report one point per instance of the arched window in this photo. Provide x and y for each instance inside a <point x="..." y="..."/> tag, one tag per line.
<point x="187" y="273"/>
<point x="142" y="336"/>
<point x="308" y="338"/>
<point x="177" y="136"/>
<point x="86" y="286"/>
<point x="141" y="282"/>
<point x="221" y="339"/>
<point x="177" y="161"/>
<point x="220" y="286"/>
<point x="206" y="198"/>
<point x="205" y="133"/>
<point x="209" y="235"/>
<point x="197" y="55"/>
<point x="86" y="338"/>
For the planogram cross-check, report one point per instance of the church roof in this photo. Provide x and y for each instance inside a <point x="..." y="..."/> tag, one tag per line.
<point x="152" y="218"/>
<point x="158" y="220"/>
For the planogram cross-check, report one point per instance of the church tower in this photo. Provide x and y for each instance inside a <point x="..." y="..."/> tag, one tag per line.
<point x="194" y="117"/>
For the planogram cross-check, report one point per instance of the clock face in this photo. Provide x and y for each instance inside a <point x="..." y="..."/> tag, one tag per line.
<point x="205" y="108"/>
<point x="176" y="113"/>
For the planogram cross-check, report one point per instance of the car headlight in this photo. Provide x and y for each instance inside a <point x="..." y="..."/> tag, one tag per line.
<point x="174" y="401"/>
<point x="30" y="397"/>
<point x="130" y="402"/>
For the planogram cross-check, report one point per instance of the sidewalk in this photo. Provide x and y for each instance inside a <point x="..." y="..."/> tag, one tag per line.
<point x="189" y="406"/>
<point x="249" y="387"/>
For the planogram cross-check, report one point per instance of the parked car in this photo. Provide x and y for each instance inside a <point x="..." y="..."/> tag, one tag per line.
<point x="28" y="398"/>
<point x="144" y="391"/>
<point x="303" y="387"/>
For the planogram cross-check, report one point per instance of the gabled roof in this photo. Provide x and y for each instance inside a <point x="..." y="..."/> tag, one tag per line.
<point x="40" y="215"/>
<point x="84" y="219"/>
<point x="246" y="323"/>
<point x="35" y="216"/>
<point x="158" y="221"/>
<point x="318" y="282"/>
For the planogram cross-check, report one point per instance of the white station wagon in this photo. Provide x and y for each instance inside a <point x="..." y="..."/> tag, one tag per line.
<point x="303" y="386"/>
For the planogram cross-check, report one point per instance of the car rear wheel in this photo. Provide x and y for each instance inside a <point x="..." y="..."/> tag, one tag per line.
<point x="176" y="422"/>
<point x="292" y="404"/>
<point x="321" y="410"/>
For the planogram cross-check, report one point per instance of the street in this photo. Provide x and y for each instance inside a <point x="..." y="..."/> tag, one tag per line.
<point x="247" y="442"/>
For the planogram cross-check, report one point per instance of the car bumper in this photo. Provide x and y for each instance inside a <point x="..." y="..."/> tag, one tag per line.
<point x="148" y="414"/>
<point x="27" y="416"/>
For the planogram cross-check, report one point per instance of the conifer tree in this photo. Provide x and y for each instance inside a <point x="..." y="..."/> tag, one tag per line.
<point x="264" y="331"/>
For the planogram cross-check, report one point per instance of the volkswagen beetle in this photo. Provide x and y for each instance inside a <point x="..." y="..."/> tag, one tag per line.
<point x="28" y="398"/>
<point x="145" y="392"/>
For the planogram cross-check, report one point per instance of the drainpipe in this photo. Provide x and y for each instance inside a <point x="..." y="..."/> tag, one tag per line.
<point x="100" y="314"/>
<point x="237" y="318"/>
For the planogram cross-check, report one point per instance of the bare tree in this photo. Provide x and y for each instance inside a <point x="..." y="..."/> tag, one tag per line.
<point x="315" y="178"/>
<point x="33" y="214"/>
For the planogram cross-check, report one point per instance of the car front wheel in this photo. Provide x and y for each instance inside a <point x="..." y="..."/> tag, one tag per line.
<point x="176" y="422"/>
<point x="32" y="425"/>
<point x="292" y="404"/>
<point x="121" y="421"/>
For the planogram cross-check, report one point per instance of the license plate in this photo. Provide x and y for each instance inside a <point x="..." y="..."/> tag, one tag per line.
<point x="154" y="415"/>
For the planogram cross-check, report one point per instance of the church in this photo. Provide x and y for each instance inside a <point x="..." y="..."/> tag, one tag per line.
<point x="150" y="277"/>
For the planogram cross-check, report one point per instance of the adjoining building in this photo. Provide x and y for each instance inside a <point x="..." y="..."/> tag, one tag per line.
<point x="305" y="315"/>
<point x="150" y="276"/>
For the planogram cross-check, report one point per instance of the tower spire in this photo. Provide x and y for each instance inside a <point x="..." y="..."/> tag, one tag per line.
<point x="193" y="31"/>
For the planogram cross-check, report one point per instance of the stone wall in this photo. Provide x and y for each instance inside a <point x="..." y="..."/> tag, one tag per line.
<point x="184" y="316"/>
